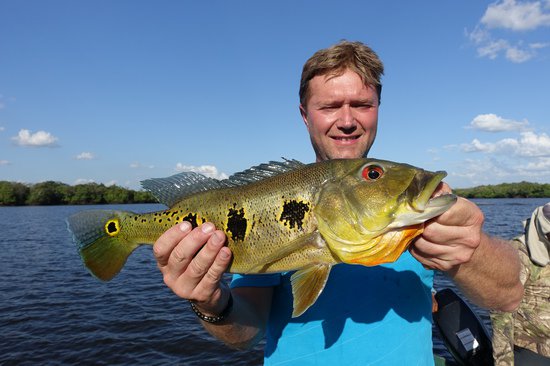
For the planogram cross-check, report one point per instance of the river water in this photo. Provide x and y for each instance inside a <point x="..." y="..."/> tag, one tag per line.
<point x="52" y="312"/>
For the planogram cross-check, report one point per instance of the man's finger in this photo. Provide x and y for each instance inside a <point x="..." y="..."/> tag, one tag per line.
<point x="166" y="243"/>
<point x="204" y="259"/>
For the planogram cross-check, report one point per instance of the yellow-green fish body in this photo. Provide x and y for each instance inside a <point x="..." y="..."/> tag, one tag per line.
<point x="278" y="217"/>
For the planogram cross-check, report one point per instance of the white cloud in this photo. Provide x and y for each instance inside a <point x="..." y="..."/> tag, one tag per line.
<point x="516" y="15"/>
<point x="478" y="146"/>
<point x="2" y="129"/>
<point x="478" y="171"/>
<point x="84" y="181"/>
<point x="207" y="170"/>
<point x="533" y="145"/>
<point x="85" y="156"/>
<point x="517" y="55"/>
<point x="523" y="155"/>
<point x="140" y="166"/>
<point x="541" y="165"/>
<point x="528" y="145"/>
<point x="492" y="49"/>
<point x="492" y="123"/>
<point x="4" y="162"/>
<point x="38" y="139"/>
<point x="493" y="170"/>
<point x="539" y="45"/>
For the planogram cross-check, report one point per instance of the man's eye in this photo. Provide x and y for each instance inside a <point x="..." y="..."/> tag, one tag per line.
<point x="363" y="106"/>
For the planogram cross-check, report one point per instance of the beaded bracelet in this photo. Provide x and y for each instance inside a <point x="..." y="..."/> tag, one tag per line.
<point x="217" y="318"/>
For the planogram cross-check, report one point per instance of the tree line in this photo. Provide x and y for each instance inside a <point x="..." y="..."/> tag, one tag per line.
<point x="507" y="190"/>
<point x="57" y="193"/>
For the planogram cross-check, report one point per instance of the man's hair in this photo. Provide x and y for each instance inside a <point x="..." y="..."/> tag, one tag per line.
<point x="335" y="60"/>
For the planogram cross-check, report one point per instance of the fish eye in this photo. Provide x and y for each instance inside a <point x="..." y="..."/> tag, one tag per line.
<point x="372" y="172"/>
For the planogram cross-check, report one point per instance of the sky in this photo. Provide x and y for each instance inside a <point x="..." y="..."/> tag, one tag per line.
<point x="116" y="92"/>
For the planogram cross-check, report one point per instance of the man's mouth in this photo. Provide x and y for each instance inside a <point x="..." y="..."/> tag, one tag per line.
<point x="345" y="139"/>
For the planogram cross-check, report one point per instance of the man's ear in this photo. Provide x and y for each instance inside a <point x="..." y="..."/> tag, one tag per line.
<point x="303" y="113"/>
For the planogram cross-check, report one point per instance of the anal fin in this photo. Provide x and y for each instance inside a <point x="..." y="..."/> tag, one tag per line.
<point x="307" y="285"/>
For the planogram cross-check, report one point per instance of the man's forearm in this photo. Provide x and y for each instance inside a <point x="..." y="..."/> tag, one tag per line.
<point x="491" y="277"/>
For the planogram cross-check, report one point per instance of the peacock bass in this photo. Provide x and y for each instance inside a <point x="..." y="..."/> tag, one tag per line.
<point x="278" y="217"/>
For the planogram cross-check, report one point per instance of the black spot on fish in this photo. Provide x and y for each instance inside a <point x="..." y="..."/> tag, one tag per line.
<point x="192" y="218"/>
<point x="293" y="214"/>
<point x="111" y="228"/>
<point x="236" y="224"/>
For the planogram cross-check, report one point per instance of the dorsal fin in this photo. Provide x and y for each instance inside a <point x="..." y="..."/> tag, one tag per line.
<point x="263" y="171"/>
<point x="174" y="188"/>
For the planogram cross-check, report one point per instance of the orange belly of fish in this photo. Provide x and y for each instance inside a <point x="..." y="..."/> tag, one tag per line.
<point x="388" y="248"/>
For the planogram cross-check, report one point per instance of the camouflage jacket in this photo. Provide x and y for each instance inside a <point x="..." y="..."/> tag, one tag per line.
<point x="529" y="325"/>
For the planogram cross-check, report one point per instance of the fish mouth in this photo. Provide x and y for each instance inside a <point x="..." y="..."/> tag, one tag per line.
<point x="422" y="205"/>
<point x="425" y="183"/>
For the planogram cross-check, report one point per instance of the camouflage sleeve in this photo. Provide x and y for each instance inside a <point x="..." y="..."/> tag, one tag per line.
<point x="532" y="319"/>
<point x="525" y="271"/>
<point x="503" y="323"/>
<point x="503" y="338"/>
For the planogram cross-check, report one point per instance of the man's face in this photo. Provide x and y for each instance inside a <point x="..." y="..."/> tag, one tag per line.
<point x="341" y="116"/>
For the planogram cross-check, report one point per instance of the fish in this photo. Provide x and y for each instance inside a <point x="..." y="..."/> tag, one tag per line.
<point x="280" y="216"/>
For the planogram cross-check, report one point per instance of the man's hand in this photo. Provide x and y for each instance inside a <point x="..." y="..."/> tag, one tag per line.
<point x="450" y="239"/>
<point x="485" y="268"/>
<point x="193" y="262"/>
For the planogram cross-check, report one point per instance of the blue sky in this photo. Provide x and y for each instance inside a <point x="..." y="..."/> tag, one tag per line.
<point x="115" y="92"/>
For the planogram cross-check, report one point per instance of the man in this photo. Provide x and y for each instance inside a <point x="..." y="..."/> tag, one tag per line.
<point x="379" y="315"/>
<point x="527" y="331"/>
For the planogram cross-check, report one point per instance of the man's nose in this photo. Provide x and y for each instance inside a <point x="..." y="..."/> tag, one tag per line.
<point x="346" y="119"/>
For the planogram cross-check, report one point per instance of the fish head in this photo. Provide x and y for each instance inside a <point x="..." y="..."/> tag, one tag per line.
<point x="371" y="212"/>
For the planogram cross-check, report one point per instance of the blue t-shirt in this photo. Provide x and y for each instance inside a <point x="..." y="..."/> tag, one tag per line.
<point x="365" y="316"/>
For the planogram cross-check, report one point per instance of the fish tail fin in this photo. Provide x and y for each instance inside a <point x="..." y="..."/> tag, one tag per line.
<point x="97" y="235"/>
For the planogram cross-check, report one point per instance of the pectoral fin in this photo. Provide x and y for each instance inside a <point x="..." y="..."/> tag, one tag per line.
<point x="312" y="239"/>
<point x="307" y="285"/>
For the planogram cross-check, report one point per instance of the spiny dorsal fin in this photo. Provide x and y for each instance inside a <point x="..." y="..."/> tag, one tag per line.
<point x="172" y="189"/>
<point x="263" y="171"/>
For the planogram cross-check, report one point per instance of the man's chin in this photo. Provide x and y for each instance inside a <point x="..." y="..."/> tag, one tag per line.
<point x="345" y="154"/>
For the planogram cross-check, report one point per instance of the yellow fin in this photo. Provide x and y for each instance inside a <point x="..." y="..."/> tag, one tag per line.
<point x="307" y="285"/>
<point x="102" y="248"/>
